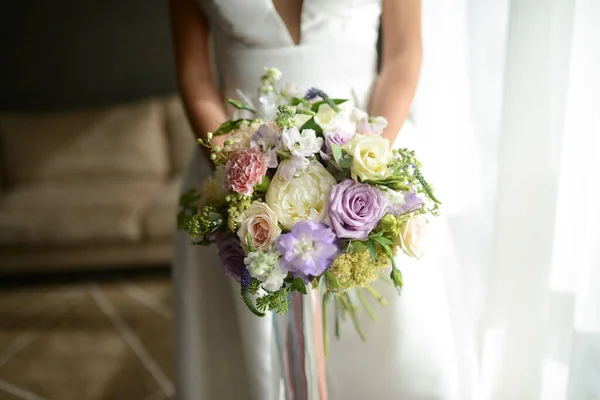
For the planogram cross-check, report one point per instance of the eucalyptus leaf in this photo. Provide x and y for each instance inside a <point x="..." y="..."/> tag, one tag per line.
<point x="346" y="161"/>
<point x="336" y="150"/>
<point x="382" y="240"/>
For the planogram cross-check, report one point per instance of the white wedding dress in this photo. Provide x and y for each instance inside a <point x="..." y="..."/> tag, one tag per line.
<point x="225" y="352"/>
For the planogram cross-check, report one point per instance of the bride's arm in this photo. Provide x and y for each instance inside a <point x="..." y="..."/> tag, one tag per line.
<point x="400" y="63"/>
<point x="201" y="97"/>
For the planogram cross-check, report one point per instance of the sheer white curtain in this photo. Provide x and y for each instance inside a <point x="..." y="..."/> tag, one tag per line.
<point x="509" y="110"/>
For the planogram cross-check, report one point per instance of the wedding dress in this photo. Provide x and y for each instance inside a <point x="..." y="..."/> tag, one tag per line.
<point x="225" y="352"/>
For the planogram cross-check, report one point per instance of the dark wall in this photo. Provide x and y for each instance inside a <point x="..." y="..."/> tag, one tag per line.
<point x="75" y="53"/>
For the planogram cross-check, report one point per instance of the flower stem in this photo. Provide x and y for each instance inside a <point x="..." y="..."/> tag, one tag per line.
<point x="249" y="303"/>
<point x="382" y="300"/>
<point x="352" y="311"/>
<point x="366" y="305"/>
<point x="326" y="297"/>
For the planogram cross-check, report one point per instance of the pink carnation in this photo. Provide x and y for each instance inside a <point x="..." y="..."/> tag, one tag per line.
<point x="245" y="168"/>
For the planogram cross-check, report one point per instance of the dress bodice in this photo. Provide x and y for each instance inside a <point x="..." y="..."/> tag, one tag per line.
<point x="337" y="49"/>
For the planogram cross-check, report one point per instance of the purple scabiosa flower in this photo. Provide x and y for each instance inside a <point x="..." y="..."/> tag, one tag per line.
<point x="355" y="209"/>
<point x="338" y="137"/>
<point x="268" y="140"/>
<point x="308" y="250"/>
<point x="231" y="254"/>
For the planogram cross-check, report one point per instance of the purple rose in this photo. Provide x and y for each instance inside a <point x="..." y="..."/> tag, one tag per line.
<point x="231" y="254"/>
<point x="308" y="250"/>
<point x="355" y="209"/>
<point x="338" y="137"/>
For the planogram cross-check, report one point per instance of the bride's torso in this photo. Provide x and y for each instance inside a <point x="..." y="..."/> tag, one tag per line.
<point x="330" y="44"/>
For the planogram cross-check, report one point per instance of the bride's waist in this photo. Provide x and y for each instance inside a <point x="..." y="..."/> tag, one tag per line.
<point x="338" y="68"/>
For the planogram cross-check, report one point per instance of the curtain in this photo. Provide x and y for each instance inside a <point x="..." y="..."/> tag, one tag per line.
<point x="509" y="107"/>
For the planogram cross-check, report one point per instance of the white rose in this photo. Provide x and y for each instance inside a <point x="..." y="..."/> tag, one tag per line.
<point x="412" y="236"/>
<point x="329" y="120"/>
<point x="303" y="198"/>
<point x="261" y="223"/>
<point x="370" y="156"/>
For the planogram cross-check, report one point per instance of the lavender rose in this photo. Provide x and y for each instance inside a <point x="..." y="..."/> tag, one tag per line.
<point x="308" y="250"/>
<point x="338" y="137"/>
<point x="355" y="209"/>
<point x="231" y="254"/>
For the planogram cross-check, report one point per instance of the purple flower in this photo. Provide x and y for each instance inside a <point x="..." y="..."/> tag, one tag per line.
<point x="355" y="209"/>
<point x="372" y="125"/>
<point x="231" y="254"/>
<point x="312" y="93"/>
<point x="308" y="250"/>
<point x="338" y="137"/>
<point x="268" y="141"/>
<point x="412" y="202"/>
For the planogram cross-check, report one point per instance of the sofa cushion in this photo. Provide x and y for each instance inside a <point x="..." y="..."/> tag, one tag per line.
<point x="180" y="134"/>
<point x="120" y="141"/>
<point x="160" y="219"/>
<point x="62" y="213"/>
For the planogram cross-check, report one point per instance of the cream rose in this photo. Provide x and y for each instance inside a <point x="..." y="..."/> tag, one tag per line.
<point x="305" y="197"/>
<point x="413" y="235"/>
<point x="261" y="223"/>
<point x="370" y="156"/>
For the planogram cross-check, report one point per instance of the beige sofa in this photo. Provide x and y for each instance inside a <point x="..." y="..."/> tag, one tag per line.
<point x="91" y="188"/>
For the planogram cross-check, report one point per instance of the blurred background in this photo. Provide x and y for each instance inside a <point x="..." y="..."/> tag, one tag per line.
<point x="93" y="142"/>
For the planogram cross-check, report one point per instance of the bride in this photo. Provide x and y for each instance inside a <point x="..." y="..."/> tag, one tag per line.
<point x="222" y="350"/>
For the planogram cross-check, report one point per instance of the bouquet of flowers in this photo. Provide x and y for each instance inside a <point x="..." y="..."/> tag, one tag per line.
<point x="307" y="195"/>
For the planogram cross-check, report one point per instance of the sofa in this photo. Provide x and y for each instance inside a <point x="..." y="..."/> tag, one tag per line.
<point x="91" y="188"/>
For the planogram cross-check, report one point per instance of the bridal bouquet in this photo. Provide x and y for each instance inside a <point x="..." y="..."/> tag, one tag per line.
<point x="307" y="195"/>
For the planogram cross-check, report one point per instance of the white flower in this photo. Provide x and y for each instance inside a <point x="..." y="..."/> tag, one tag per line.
<point x="413" y="235"/>
<point x="294" y="164"/>
<point x="261" y="223"/>
<point x="303" y="144"/>
<point x="264" y="266"/>
<point x="303" y="198"/>
<point x="329" y="120"/>
<point x="396" y="198"/>
<point x="213" y="191"/>
<point x="370" y="156"/>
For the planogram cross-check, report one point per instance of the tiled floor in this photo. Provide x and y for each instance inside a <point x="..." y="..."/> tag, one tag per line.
<point x="88" y="339"/>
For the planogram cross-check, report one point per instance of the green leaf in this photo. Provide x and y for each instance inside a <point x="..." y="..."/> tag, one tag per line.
<point x="356" y="246"/>
<point x="298" y="286"/>
<point x="315" y="106"/>
<point x="371" y="246"/>
<point x="332" y="280"/>
<point x="263" y="185"/>
<point x="228" y="126"/>
<point x="240" y="105"/>
<point x="382" y="240"/>
<point x="311" y="124"/>
<point x="336" y="150"/>
<point x="295" y="101"/>
<point x="249" y="242"/>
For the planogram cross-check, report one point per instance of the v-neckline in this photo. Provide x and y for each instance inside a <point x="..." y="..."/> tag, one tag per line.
<point x="285" y="27"/>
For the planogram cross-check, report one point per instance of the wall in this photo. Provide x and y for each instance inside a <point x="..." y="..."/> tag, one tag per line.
<point x="76" y="53"/>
